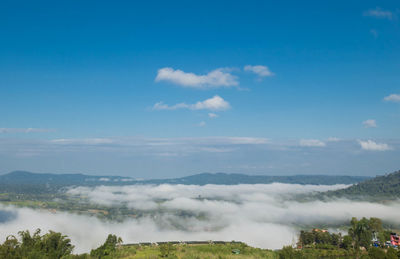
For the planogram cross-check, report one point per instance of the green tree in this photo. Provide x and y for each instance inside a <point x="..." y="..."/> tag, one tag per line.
<point x="108" y="249"/>
<point x="347" y="242"/>
<point x="36" y="246"/>
<point x="10" y="248"/>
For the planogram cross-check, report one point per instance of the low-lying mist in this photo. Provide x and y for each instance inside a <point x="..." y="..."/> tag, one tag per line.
<point x="261" y="215"/>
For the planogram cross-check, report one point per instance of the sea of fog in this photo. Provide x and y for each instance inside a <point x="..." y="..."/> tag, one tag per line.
<point x="261" y="215"/>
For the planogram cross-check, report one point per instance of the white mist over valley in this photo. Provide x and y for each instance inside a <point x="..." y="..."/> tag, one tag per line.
<point x="261" y="215"/>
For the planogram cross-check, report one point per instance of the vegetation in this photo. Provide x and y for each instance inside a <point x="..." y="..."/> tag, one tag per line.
<point x="366" y="235"/>
<point x="47" y="246"/>
<point x="379" y="188"/>
<point x="359" y="243"/>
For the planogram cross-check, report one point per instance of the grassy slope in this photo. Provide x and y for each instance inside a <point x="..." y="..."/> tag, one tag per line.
<point x="220" y="251"/>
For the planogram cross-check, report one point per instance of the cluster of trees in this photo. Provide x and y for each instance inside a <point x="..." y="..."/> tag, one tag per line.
<point x="360" y="234"/>
<point x="318" y="237"/>
<point x="52" y="245"/>
<point x="364" y="234"/>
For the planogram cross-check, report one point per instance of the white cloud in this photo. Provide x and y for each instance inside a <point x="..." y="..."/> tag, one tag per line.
<point x="312" y="143"/>
<point x="246" y="140"/>
<point x="379" y="13"/>
<point x="370" y="124"/>
<point x="202" y="124"/>
<point x="392" y="98"/>
<point x="217" y="78"/>
<point x="373" y="146"/>
<point x="261" y="71"/>
<point x="212" y="115"/>
<point x="24" y="130"/>
<point x="215" y="103"/>
<point x="85" y="141"/>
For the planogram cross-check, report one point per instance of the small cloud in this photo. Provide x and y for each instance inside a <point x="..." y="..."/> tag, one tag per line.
<point x="85" y="141"/>
<point x="312" y="143"/>
<point x="379" y="13"/>
<point x="215" y="103"/>
<point x="24" y="130"/>
<point x="374" y="33"/>
<point x="392" y="98"/>
<point x="373" y="146"/>
<point x="261" y="71"/>
<point x="369" y="124"/>
<point x="246" y="140"/>
<point x="333" y="139"/>
<point x="212" y="115"/>
<point x="217" y="78"/>
<point x="202" y="124"/>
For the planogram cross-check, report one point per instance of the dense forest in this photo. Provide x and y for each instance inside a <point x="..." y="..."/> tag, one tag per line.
<point x="366" y="239"/>
<point x="378" y="188"/>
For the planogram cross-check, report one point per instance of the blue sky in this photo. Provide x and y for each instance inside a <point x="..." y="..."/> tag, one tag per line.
<point x="163" y="89"/>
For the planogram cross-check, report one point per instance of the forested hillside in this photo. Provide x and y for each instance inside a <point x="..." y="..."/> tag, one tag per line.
<point x="381" y="187"/>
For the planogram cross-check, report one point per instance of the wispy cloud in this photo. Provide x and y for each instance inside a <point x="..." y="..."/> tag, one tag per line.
<point x="261" y="71"/>
<point x="212" y="115"/>
<point x="333" y="139"/>
<point x="374" y="33"/>
<point x="370" y="123"/>
<point x="215" y="103"/>
<point x="312" y="143"/>
<point x="392" y="98"/>
<point x="379" y="13"/>
<point x="84" y="141"/>
<point x="24" y="130"/>
<point x="373" y="146"/>
<point x="217" y="78"/>
<point x="201" y="124"/>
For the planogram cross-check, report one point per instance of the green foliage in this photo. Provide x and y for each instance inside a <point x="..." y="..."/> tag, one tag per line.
<point x="347" y="242"/>
<point x="391" y="253"/>
<point x="50" y="245"/>
<point x="108" y="249"/>
<point x="378" y="188"/>
<point x="318" y="237"/>
<point x="288" y="252"/>
<point x="362" y="231"/>
<point x="167" y="250"/>
<point x="376" y="253"/>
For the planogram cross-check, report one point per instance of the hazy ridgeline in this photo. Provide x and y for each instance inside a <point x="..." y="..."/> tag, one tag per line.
<point x="262" y="215"/>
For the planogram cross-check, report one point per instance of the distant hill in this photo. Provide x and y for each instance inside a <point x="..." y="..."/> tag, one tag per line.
<point x="378" y="188"/>
<point x="231" y="179"/>
<point x="27" y="182"/>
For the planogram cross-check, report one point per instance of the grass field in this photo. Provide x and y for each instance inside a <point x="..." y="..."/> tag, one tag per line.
<point x="211" y="251"/>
